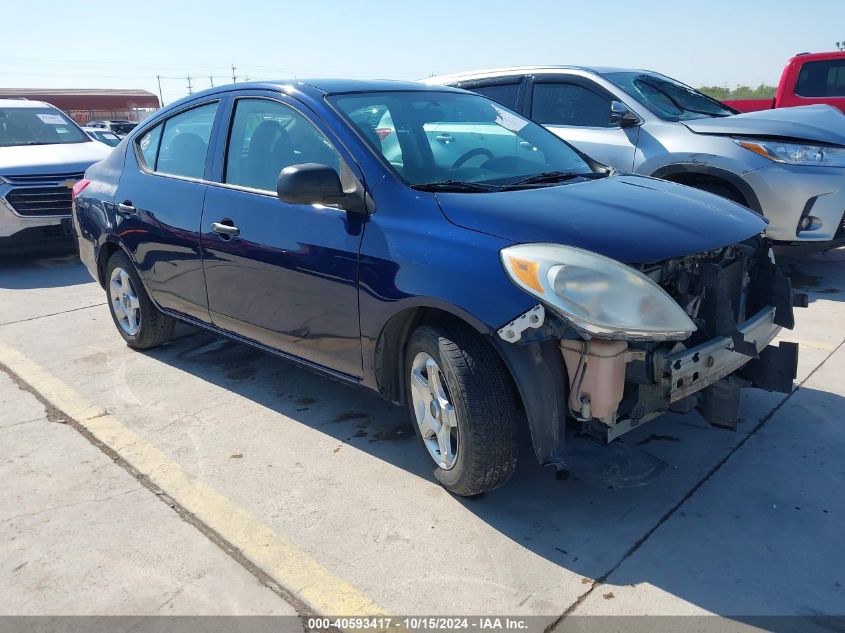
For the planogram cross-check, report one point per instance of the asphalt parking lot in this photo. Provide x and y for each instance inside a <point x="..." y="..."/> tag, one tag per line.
<point x="209" y="477"/>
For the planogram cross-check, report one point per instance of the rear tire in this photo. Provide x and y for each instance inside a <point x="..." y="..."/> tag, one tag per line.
<point x="455" y="379"/>
<point x="136" y="317"/>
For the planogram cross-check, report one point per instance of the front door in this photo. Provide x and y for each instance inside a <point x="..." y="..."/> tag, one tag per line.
<point x="281" y="274"/>
<point x="578" y="111"/>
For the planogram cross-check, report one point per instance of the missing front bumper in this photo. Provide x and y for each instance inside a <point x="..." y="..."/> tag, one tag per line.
<point x="707" y="377"/>
<point x="694" y="369"/>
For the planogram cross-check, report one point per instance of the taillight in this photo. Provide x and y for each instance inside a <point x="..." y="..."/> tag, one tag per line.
<point x="78" y="187"/>
<point x="383" y="132"/>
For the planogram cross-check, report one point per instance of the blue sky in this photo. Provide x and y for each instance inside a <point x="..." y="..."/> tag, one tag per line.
<point x="125" y="45"/>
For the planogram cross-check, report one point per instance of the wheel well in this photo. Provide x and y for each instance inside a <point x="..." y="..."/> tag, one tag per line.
<point x="106" y="251"/>
<point x="392" y="342"/>
<point x="701" y="181"/>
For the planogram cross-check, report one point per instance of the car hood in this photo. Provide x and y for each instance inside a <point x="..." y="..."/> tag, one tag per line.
<point x="632" y="219"/>
<point x="819" y="123"/>
<point x="23" y="160"/>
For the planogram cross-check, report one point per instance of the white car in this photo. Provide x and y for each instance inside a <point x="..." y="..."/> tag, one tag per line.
<point x="103" y="136"/>
<point x="43" y="153"/>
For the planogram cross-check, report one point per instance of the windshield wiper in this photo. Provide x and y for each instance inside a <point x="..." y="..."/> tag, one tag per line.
<point x="455" y="185"/>
<point x="555" y="176"/>
<point x="679" y="105"/>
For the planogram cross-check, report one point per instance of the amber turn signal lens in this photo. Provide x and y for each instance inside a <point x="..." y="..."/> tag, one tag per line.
<point x="757" y="149"/>
<point x="526" y="272"/>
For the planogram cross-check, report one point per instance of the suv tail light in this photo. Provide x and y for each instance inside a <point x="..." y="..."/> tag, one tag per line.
<point x="78" y="187"/>
<point x="383" y="132"/>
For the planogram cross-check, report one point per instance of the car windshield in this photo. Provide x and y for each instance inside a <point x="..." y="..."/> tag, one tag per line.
<point x="459" y="141"/>
<point x="37" y="126"/>
<point x="107" y="137"/>
<point x="122" y="128"/>
<point x="667" y="98"/>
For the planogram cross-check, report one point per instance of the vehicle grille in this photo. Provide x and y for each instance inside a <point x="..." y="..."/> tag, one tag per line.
<point x="40" y="200"/>
<point x="41" y="194"/>
<point x="42" y="178"/>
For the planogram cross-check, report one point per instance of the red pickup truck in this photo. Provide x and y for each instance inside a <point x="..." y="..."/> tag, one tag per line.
<point x="808" y="79"/>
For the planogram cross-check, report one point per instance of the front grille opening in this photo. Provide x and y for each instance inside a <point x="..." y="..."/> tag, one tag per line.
<point x="40" y="201"/>
<point x="34" y="179"/>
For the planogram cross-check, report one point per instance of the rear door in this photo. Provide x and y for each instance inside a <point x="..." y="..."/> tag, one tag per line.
<point x="159" y="206"/>
<point x="507" y="91"/>
<point x="578" y="110"/>
<point x="281" y="274"/>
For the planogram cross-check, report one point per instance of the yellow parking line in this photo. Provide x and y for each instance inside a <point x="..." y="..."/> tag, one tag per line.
<point x="824" y="347"/>
<point x="290" y="566"/>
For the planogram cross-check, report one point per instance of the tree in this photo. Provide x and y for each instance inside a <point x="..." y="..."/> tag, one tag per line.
<point x="740" y="92"/>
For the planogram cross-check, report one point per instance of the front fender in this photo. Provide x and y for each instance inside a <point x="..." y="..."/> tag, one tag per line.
<point x="666" y="172"/>
<point x="540" y="376"/>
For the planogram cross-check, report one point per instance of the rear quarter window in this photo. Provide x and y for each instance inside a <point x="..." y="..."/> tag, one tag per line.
<point x="148" y="147"/>
<point x="821" y="79"/>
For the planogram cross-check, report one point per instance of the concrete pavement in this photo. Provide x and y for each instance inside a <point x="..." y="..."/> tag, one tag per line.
<point x="82" y="536"/>
<point x="335" y="475"/>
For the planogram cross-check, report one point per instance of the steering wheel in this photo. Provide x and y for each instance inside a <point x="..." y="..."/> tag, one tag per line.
<point x="478" y="151"/>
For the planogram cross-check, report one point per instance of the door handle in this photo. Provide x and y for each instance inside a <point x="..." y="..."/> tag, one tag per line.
<point x="225" y="229"/>
<point x="445" y="138"/>
<point x="126" y="208"/>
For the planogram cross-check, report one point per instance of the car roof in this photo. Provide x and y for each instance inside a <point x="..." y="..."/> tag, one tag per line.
<point x="321" y="86"/>
<point x="23" y="103"/>
<point x="97" y="129"/>
<point x="309" y="88"/>
<point x="522" y="70"/>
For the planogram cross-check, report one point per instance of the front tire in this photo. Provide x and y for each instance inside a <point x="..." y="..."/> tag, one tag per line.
<point x="463" y="406"/>
<point x="136" y="317"/>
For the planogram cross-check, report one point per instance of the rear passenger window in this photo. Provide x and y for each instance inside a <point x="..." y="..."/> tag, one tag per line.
<point x="148" y="146"/>
<point x="267" y="136"/>
<point x="506" y="94"/>
<point x="821" y="79"/>
<point x="569" y="104"/>
<point x="184" y="142"/>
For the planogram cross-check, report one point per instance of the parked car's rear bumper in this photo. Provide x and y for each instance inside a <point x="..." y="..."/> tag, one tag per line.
<point x="787" y="193"/>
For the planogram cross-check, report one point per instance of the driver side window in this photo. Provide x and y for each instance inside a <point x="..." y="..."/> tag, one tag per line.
<point x="569" y="104"/>
<point x="267" y="136"/>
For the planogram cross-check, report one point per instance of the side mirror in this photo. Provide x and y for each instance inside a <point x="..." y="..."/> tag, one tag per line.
<point x="309" y="183"/>
<point x="313" y="183"/>
<point x="621" y="116"/>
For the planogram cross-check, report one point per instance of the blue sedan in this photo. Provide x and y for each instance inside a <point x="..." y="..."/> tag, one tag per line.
<point x="435" y="247"/>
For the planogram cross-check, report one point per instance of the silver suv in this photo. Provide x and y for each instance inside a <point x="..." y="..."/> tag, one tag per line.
<point x="42" y="155"/>
<point x="788" y="164"/>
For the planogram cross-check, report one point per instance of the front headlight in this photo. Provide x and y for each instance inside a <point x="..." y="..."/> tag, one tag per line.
<point x="597" y="295"/>
<point x="795" y="153"/>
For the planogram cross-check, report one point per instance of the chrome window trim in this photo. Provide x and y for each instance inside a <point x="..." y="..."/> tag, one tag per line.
<point x="139" y="159"/>
<point x="231" y="121"/>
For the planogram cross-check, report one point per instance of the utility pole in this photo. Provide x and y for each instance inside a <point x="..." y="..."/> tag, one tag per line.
<point x="211" y="80"/>
<point x="190" y="88"/>
<point x="160" y="97"/>
<point x="234" y="76"/>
